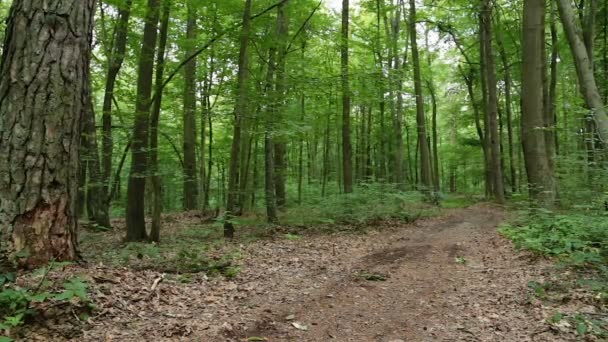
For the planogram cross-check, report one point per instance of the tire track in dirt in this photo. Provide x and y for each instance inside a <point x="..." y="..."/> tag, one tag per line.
<point x="450" y="278"/>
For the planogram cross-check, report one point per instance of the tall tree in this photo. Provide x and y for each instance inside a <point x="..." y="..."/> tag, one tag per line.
<point x="136" y="224"/>
<point x="541" y="181"/>
<point x="44" y="81"/>
<point x="425" y="157"/>
<point x="115" y="61"/>
<point x="240" y="110"/>
<point x="492" y="104"/>
<point x="189" y="120"/>
<point x="346" y="143"/>
<point x="155" y="179"/>
<point x="280" y="145"/>
<point x="584" y="68"/>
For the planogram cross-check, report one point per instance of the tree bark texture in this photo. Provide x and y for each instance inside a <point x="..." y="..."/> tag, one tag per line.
<point x="43" y="93"/>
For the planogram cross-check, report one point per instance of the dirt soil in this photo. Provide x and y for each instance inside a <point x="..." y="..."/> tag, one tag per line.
<point x="451" y="278"/>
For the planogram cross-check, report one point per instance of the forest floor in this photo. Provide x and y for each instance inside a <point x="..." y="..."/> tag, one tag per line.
<point x="446" y="278"/>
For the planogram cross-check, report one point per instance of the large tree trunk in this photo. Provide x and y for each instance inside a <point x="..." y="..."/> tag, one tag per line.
<point x="189" y="120"/>
<point x="346" y="144"/>
<point x="425" y="158"/>
<point x="44" y="89"/>
<point x="584" y="69"/>
<point x="157" y="196"/>
<point x="115" y="60"/>
<point x="136" y="224"/>
<point x="540" y="179"/>
<point x="240" y="110"/>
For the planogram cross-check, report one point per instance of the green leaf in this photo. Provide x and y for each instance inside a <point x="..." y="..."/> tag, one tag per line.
<point x="6" y="339"/>
<point x="581" y="328"/>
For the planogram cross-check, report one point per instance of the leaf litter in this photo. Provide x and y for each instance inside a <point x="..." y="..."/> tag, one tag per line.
<point x="423" y="295"/>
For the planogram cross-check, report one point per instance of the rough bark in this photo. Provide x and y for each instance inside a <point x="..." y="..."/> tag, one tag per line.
<point x="189" y="118"/>
<point x="232" y="206"/>
<point x="541" y="183"/>
<point x="43" y="93"/>
<point x="136" y="225"/>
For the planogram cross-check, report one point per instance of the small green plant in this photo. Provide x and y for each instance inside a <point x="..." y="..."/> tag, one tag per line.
<point x="140" y="251"/>
<point x="16" y="303"/>
<point x="292" y="237"/>
<point x="460" y="260"/>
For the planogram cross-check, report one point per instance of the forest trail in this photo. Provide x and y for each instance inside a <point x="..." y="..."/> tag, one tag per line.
<point x="447" y="278"/>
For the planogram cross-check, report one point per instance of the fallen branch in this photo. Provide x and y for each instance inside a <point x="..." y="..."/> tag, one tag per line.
<point x="157" y="281"/>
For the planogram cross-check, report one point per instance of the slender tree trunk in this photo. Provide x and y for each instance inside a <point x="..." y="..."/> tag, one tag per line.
<point x="540" y="179"/>
<point x="115" y="61"/>
<point x="346" y="144"/>
<point x="551" y="102"/>
<point x="96" y="205"/>
<point x="240" y="111"/>
<point x="492" y="106"/>
<point x="280" y="146"/>
<point x="44" y="89"/>
<point x="425" y="159"/>
<point x="155" y="179"/>
<point x="189" y="119"/>
<point x="398" y="115"/>
<point x="584" y="69"/>
<point x="136" y="224"/>
<point x="509" y="110"/>
<point x="269" y="166"/>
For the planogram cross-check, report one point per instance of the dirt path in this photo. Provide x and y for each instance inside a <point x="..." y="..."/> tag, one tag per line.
<point x="451" y="278"/>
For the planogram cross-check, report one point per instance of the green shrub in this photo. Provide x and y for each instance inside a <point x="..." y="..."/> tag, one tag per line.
<point x="578" y="239"/>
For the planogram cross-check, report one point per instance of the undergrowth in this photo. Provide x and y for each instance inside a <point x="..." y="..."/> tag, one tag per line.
<point x="369" y="204"/>
<point x="579" y="241"/>
<point x="19" y="304"/>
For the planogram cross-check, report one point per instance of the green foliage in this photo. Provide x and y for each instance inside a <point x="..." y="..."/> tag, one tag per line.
<point x="16" y="303"/>
<point x="578" y="239"/>
<point x="369" y="203"/>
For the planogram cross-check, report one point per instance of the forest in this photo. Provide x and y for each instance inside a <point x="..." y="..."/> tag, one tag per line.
<point x="310" y="170"/>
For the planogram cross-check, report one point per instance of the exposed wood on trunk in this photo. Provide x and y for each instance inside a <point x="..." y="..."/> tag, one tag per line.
<point x="43" y="93"/>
